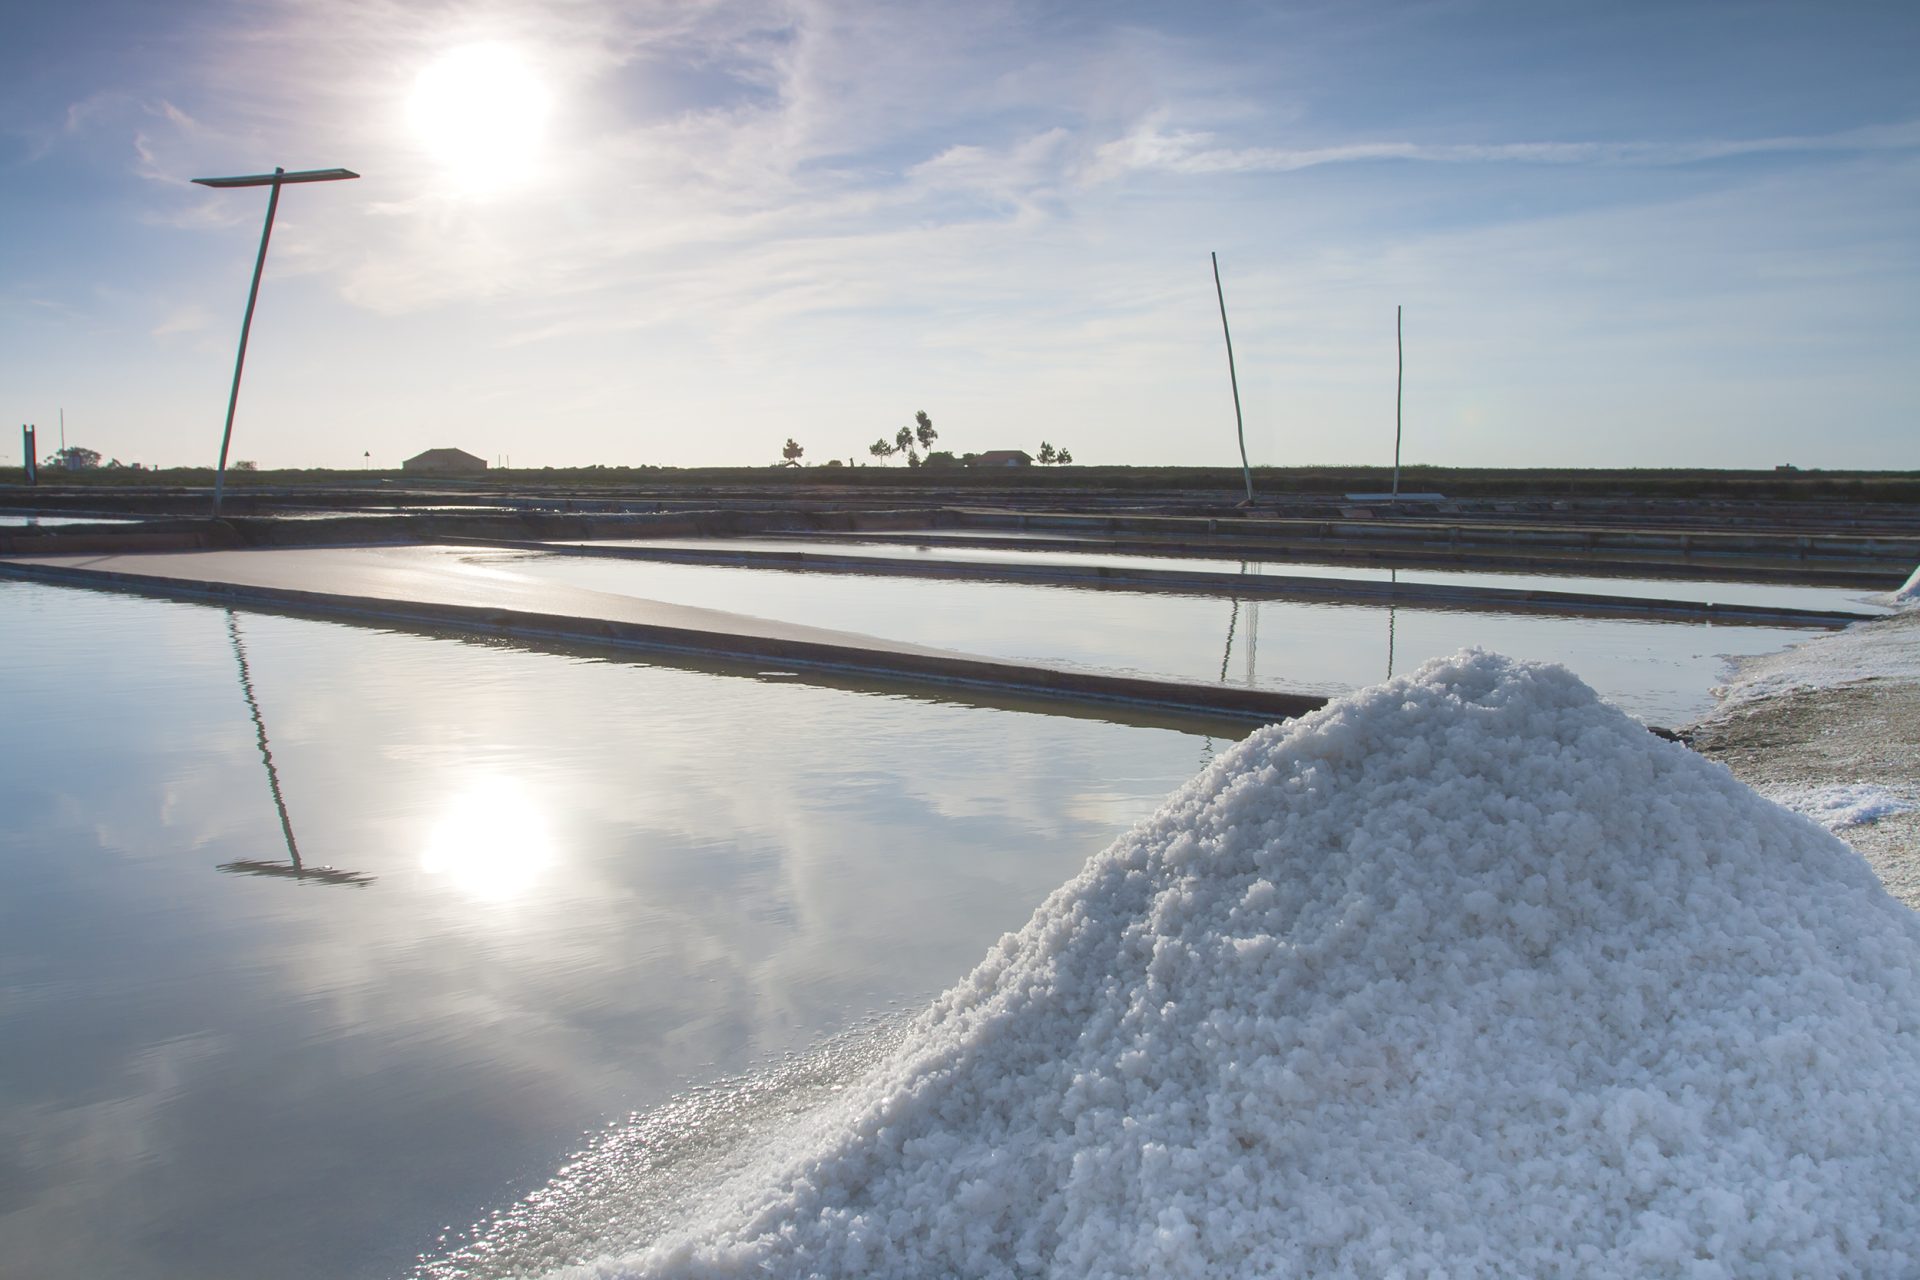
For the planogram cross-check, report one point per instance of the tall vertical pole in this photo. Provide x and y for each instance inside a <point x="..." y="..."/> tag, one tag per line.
<point x="1399" y="380"/>
<point x="246" y="325"/>
<point x="1238" y="425"/>
<point x="27" y="447"/>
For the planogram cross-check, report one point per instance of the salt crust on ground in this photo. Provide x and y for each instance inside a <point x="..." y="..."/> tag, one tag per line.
<point x="1886" y="649"/>
<point x="1909" y="593"/>
<point x="1848" y="804"/>
<point x="1467" y="974"/>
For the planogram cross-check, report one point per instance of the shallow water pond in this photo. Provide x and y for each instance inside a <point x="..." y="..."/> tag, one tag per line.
<point x="1696" y="590"/>
<point x="29" y="520"/>
<point x="1662" y="672"/>
<point x="318" y="940"/>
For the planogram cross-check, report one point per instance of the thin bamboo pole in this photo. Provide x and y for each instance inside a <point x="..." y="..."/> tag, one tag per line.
<point x="1239" y="425"/>
<point x="1399" y="382"/>
<point x="240" y="361"/>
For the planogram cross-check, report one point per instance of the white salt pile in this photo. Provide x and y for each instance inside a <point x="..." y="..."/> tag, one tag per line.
<point x="1468" y="974"/>
<point x="1909" y="593"/>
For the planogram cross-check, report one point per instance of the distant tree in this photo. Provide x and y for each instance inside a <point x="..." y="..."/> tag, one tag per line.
<point x="903" y="443"/>
<point x="880" y="449"/>
<point x="1047" y="455"/>
<point x="1063" y="457"/>
<point x="923" y="430"/>
<point x="791" y="452"/>
<point x="940" y="458"/>
<point x="246" y="464"/>
<point x="73" y="458"/>
<point x="835" y="462"/>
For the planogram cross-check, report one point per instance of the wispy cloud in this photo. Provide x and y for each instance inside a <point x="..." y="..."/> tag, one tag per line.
<point x="43" y="135"/>
<point x="191" y="318"/>
<point x="1156" y="148"/>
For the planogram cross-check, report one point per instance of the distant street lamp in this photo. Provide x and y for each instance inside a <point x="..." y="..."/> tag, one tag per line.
<point x="277" y="179"/>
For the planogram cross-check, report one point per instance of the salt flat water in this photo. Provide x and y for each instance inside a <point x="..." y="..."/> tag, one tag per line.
<point x="27" y="520"/>
<point x="542" y="892"/>
<point x="322" y="942"/>
<point x="1701" y="590"/>
<point x="1659" y="671"/>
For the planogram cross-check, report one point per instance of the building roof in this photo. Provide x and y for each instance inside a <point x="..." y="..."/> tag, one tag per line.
<point x="1002" y="455"/>
<point x="446" y="455"/>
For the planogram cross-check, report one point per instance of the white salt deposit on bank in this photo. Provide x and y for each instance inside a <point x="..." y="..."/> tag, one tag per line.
<point x="1848" y="804"/>
<point x="1909" y="594"/>
<point x="1886" y="648"/>
<point x="1467" y="974"/>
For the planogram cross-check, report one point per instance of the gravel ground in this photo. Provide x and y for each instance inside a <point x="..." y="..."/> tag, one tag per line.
<point x="1835" y="732"/>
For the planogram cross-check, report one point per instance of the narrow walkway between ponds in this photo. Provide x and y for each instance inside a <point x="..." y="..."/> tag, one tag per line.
<point x="434" y="587"/>
<point x="1264" y="585"/>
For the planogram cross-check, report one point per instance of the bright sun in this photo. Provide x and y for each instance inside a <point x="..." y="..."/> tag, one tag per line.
<point x="481" y="112"/>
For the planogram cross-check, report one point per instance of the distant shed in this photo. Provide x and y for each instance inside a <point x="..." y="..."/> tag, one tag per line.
<point x="445" y="462"/>
<point x="1001" y="458"/>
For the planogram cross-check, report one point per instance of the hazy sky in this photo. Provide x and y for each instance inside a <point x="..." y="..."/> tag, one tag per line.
<point x="1648" y="234"/>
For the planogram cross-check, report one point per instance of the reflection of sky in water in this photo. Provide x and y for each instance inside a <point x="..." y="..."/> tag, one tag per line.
<point x="588" y="885"/>
<point x="16" y="520"/>
<point x="1659" y="671"/>
<point x="1771" y="595"/>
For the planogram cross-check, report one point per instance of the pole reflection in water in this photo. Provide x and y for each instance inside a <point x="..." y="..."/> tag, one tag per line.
<point x="1253" y="634"/>
<point x="1394" y="578"/>
<point x="1226" y="657"/>
<point x="1233" y="620"/>
<point x="293" y="869"/>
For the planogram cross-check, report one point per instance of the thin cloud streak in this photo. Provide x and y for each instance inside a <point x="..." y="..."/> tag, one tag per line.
<point x="1155" y="149"/>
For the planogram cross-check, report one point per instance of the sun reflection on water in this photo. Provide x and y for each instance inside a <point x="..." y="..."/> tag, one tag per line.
<point x="493" y="843"/>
